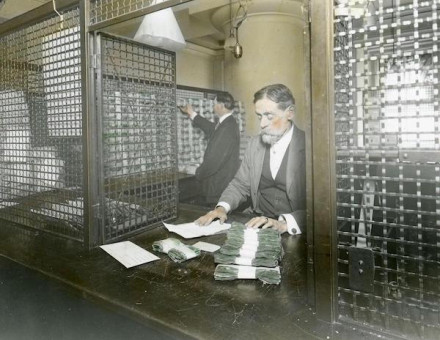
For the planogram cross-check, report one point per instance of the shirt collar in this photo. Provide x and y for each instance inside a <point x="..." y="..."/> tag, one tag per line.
<point x="222" y="118"/>
<point x="284" y="142"/>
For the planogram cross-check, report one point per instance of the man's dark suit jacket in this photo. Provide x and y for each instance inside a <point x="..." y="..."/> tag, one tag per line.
<point x="222" y="156"/>
<point x="246" y="181"/>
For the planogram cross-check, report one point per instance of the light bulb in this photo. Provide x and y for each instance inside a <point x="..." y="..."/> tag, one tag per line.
<point x="237" y="50"/>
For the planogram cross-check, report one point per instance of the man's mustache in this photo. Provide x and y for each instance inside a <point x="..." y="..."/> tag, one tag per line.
<point x="268" y="133"/>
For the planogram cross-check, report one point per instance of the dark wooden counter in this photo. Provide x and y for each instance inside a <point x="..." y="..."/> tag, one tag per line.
<point x="182" y="300"/>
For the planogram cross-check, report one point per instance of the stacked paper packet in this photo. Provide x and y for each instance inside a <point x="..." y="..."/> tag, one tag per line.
<point x="176" y="250"/>
<point x="249" y="254"/>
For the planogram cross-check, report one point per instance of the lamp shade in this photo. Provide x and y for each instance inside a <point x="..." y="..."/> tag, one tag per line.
<point x="161" y="29"/>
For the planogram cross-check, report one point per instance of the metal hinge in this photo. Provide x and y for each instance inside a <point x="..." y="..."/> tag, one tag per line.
<point x="93" y="60"/>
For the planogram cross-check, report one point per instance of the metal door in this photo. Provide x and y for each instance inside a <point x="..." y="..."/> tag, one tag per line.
<point x="137" y="138"/>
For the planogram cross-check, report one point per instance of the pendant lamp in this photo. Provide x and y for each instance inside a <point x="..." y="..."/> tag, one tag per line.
<point x="160" y="29"/>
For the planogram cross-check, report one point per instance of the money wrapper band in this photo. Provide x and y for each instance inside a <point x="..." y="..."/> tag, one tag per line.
<point x="234" y="272"/>
<point x="246" y="261"/>
<point x="245" y="251"/>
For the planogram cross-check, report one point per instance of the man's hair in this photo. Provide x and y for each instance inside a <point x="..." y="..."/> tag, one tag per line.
<point x="278" y="93"/>
<point x="227" y="100"/>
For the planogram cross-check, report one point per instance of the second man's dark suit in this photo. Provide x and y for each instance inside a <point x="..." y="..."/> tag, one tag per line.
<point x="222" y="156"/>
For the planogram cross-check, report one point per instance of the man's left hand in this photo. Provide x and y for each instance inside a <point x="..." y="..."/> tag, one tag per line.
<point x="265" y="222"/>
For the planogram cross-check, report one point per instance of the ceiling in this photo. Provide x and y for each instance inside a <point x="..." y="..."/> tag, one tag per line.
<point x="194" y="20"/>
<point x="12" y="8"/>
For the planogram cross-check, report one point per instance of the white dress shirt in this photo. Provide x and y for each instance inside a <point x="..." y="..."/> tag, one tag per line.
<point x="277" y="152"/>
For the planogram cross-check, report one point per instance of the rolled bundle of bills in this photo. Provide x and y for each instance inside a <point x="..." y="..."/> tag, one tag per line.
<point x="176" y="250"/>
<point x="233" y="272"/>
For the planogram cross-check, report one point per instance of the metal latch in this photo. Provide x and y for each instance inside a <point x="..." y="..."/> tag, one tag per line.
<point x="361" y="269"/>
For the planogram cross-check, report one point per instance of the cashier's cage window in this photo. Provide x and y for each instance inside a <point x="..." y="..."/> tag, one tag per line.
<point x="387" y="131"/>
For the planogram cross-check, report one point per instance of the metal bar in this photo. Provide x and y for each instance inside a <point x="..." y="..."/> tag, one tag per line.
<point x="136" y="14"/>
<point x="309" y="164"/>
<point x="388" y="225"/>
<point x="198" y="89"/>
<point x="322" y="140"/>
<point x="98" y="75"/>
<point x="85" y="84"/>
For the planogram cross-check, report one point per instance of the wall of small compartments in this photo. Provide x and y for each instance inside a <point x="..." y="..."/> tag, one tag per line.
<point x="387" y="129"/>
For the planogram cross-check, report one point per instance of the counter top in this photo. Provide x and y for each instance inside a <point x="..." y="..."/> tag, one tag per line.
<point x="183" y="300"/>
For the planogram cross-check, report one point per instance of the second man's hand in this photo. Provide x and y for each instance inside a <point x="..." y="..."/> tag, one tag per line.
<point x="187" y="109"/>
<point x="218" y="213"/>
<point x="265" y="222"/>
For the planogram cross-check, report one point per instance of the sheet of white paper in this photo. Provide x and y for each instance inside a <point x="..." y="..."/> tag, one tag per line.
<point x="129" y="254"/>
<point x="192" y="230"/>
<point x="209" y="247"/>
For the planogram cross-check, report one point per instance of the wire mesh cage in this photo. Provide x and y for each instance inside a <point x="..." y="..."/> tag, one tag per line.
<point x="103" y="10"/>
<point x="40" y="126"/>
<point x="139" y="146"/>
<point x="387" y="165"/>
<point x="91" y="155"/>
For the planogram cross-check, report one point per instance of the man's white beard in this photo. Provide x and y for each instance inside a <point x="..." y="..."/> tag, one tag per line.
<point x="270" y="139"/>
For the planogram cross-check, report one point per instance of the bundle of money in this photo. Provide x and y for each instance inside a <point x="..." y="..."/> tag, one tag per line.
<point x="245" y="261"/>
<point x="257" y="251"/>
<point x="233" y="272"/>
<point x="252" y="247"/>
<point x="253" y="250"/>
<point x="176" y="250"/>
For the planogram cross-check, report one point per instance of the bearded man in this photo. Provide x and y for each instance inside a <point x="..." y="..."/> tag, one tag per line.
<point x="272" y="172"/>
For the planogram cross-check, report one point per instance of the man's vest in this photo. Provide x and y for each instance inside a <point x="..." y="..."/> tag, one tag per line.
<point x="273" y="200"/>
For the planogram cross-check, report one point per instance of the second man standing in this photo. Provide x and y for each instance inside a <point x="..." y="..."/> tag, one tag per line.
<point x="222" y="155"/>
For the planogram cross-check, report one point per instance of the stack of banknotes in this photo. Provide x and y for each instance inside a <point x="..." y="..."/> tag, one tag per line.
<point x="249" y="254"/>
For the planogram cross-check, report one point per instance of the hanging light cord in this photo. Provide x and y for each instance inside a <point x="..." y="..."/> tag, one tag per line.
<point x="56" y="11"/>
<point x="243" y="9"/>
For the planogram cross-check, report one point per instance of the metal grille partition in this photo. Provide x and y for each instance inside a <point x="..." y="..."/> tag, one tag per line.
<point x="88" y="146"/>
<point x="139" y="135"/>
<point x="102" y="11"/>
<point x="41" y="183"/>
<point x="387" y="133"/>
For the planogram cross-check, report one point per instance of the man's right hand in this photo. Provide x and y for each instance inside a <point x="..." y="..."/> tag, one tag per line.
<point x="187" y="109"/>
<point x="218" y="213"/>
